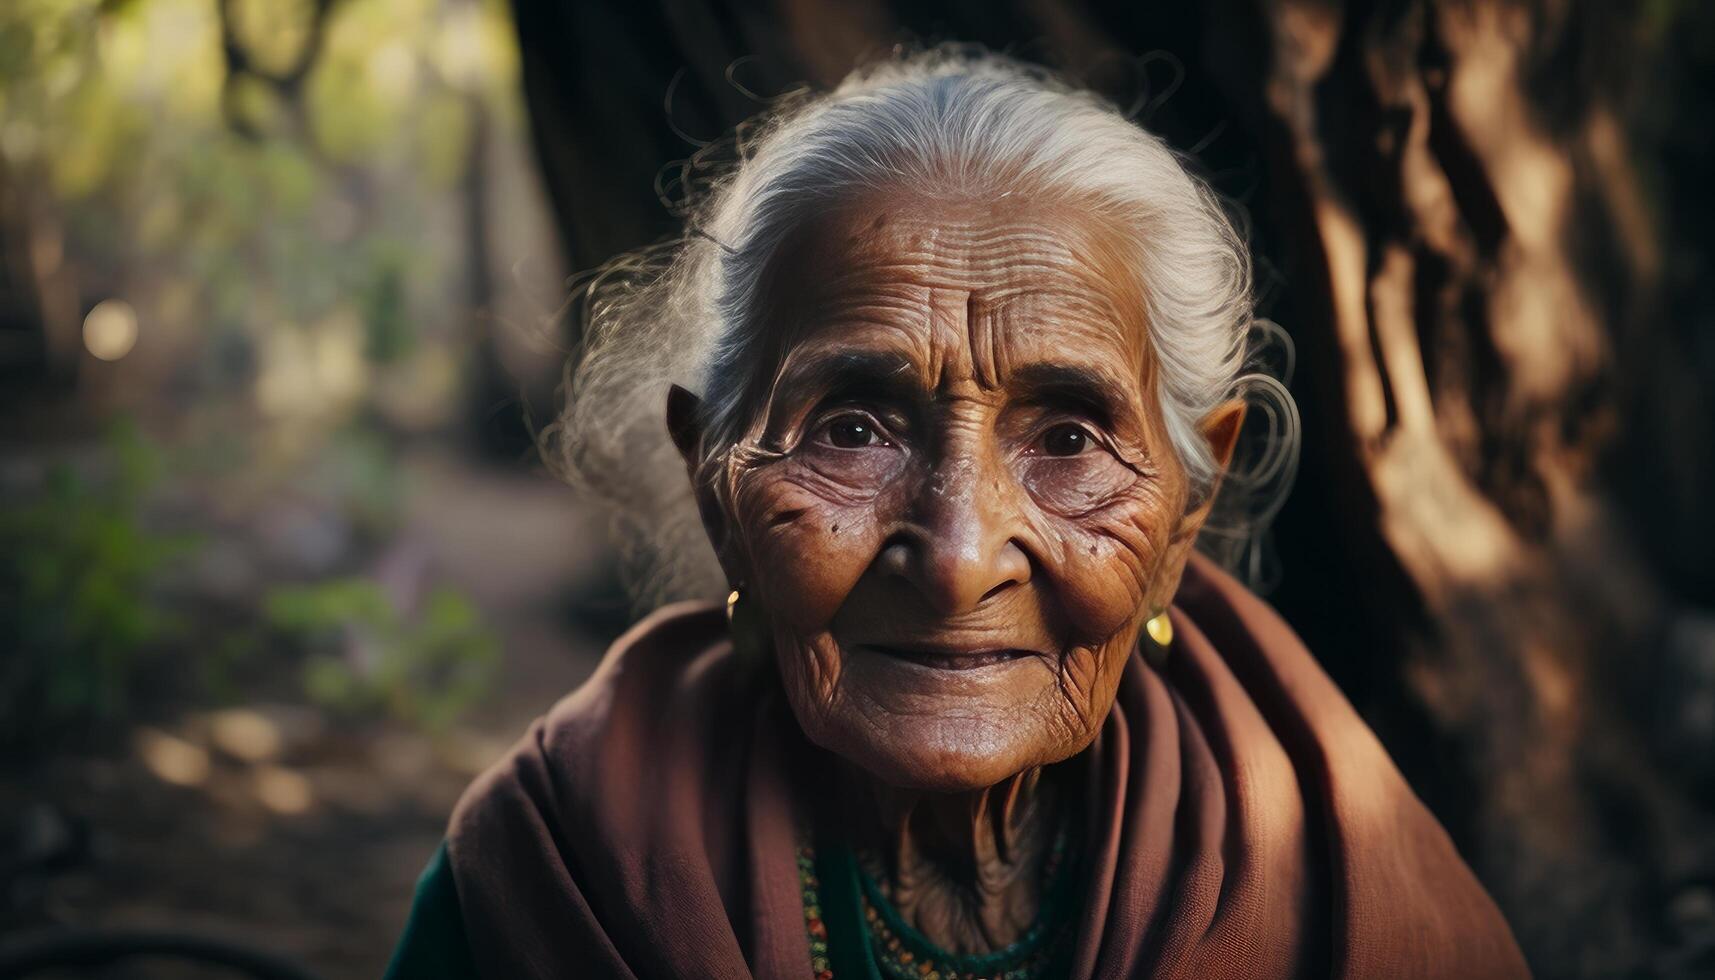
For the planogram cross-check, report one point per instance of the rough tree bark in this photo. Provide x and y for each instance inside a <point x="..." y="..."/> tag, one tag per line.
<point x="1446" y="191"/>
<point x="1468" y="236"/>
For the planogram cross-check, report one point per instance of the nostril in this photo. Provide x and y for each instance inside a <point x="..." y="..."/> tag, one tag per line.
<point x="1012" y="567"/>
<point x="896" y="559"/>
<point x="954" y="574"/>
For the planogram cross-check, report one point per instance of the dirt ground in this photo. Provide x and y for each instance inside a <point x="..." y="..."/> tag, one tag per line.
<point x="271" y="825"/>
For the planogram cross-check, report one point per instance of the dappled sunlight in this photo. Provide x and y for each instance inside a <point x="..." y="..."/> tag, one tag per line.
<point x="319" y="370"/>
<point x="172" y="759"/>
<point x="110" y="329"/>
<point x="283" y="791"/>
<point x="245" y="734"/>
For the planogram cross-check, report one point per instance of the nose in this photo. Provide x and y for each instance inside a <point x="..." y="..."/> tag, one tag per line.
<point x="962" y="547"/>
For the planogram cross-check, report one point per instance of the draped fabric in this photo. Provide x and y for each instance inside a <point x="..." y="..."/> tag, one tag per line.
<point x="1244" y="822"/>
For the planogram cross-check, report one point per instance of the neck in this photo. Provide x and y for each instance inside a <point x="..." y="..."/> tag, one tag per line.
<point x="964" y="869"/>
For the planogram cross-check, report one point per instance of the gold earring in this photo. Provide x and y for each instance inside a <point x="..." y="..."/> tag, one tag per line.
<point x="1159" y="627"/>
<point x="746" y="626"/>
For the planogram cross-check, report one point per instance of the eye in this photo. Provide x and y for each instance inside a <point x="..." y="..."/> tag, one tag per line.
<point x="851" y="430"/>
<point x="1065" y="439"/>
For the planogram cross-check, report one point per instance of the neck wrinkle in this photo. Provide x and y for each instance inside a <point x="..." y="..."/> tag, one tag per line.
<point x="965" y="869"/>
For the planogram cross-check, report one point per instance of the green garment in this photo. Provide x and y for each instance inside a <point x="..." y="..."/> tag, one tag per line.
<point x="434" y="946"/>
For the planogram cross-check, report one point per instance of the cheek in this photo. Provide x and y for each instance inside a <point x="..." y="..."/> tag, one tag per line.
<point x="1090" y="678"/>
<point x="1077" y="487"/>
<point x="1107" y="562"/>
<point x="809" y="542"/>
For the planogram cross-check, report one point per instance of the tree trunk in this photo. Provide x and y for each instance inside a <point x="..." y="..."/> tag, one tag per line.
<point x="39" y="318"/>
<point x="1467" y="237"/>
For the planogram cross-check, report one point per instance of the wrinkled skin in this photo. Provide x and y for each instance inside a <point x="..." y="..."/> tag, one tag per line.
<point x="955" y="510"/>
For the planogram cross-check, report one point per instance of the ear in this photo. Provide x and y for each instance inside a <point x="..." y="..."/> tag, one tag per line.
<point x="685" y="428"/>
<point x="1221" y="429"/>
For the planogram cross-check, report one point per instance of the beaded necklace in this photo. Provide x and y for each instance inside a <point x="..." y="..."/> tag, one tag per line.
<point x="855" y="932"/>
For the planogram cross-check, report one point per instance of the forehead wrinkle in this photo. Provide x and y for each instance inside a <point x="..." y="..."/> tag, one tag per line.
<point x="898" y="253"/>
<point x="891" y="262"/>
<point x="897" y="312"/>
<point x="960" y="270"/>
<point x="974" y="332"/>
<point x="1090" y="334"/>
<point x="950" y="341"/>
<point x="1025" y="329"/>
<point x="948" y="253"/>
<point x="1077" y="304"/>
<point x="980" y="334"/>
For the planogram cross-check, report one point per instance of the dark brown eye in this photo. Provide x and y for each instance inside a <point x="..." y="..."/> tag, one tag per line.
<point x="1065" y="439"/>
<point x="851" y="432"/>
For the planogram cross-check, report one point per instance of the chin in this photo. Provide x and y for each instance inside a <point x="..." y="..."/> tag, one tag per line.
<point x="945" y="754"/>
<point x="915" y="726"/>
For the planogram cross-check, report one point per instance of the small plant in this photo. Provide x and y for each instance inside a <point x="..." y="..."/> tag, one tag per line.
<point x="77" y="604"/>
<point x="372" y="657"/>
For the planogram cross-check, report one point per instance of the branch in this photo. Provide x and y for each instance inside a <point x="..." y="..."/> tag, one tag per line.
<point x="288" y="83"/>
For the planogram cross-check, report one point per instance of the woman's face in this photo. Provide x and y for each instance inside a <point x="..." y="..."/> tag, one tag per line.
<point x="968" y="505"/>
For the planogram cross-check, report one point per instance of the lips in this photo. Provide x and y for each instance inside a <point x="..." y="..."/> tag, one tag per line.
<point x="943" y="658"/>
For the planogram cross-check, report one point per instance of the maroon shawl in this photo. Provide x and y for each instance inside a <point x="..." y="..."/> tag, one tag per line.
<point x="1248" y="823"/>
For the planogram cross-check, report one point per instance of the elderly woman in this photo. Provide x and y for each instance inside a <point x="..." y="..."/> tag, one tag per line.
<point x="965" y="345"/>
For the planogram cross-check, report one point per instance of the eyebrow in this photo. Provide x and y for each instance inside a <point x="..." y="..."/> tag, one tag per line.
<point x="853" y="372"/>
<point x="1097" y="392"/>
<point x="892" y="375"/>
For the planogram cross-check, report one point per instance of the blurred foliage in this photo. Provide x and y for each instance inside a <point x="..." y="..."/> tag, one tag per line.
<point x="78" y="570"/>
<point x="278" y="195"/>
<point x="294" y="246"/>
<point x="98" y="603"/>
<point x="374" y="658"/>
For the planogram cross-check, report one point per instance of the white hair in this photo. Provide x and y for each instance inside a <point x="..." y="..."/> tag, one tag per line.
<point x="942" y="121"/>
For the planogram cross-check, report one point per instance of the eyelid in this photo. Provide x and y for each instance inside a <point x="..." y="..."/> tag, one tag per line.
<point x="1098" y="435"/>
<point x="1104" y="441"/>
<point x="823" y="416"/>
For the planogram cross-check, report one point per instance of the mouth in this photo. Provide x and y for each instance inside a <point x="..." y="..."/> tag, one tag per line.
<point x="942" y="658"/>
